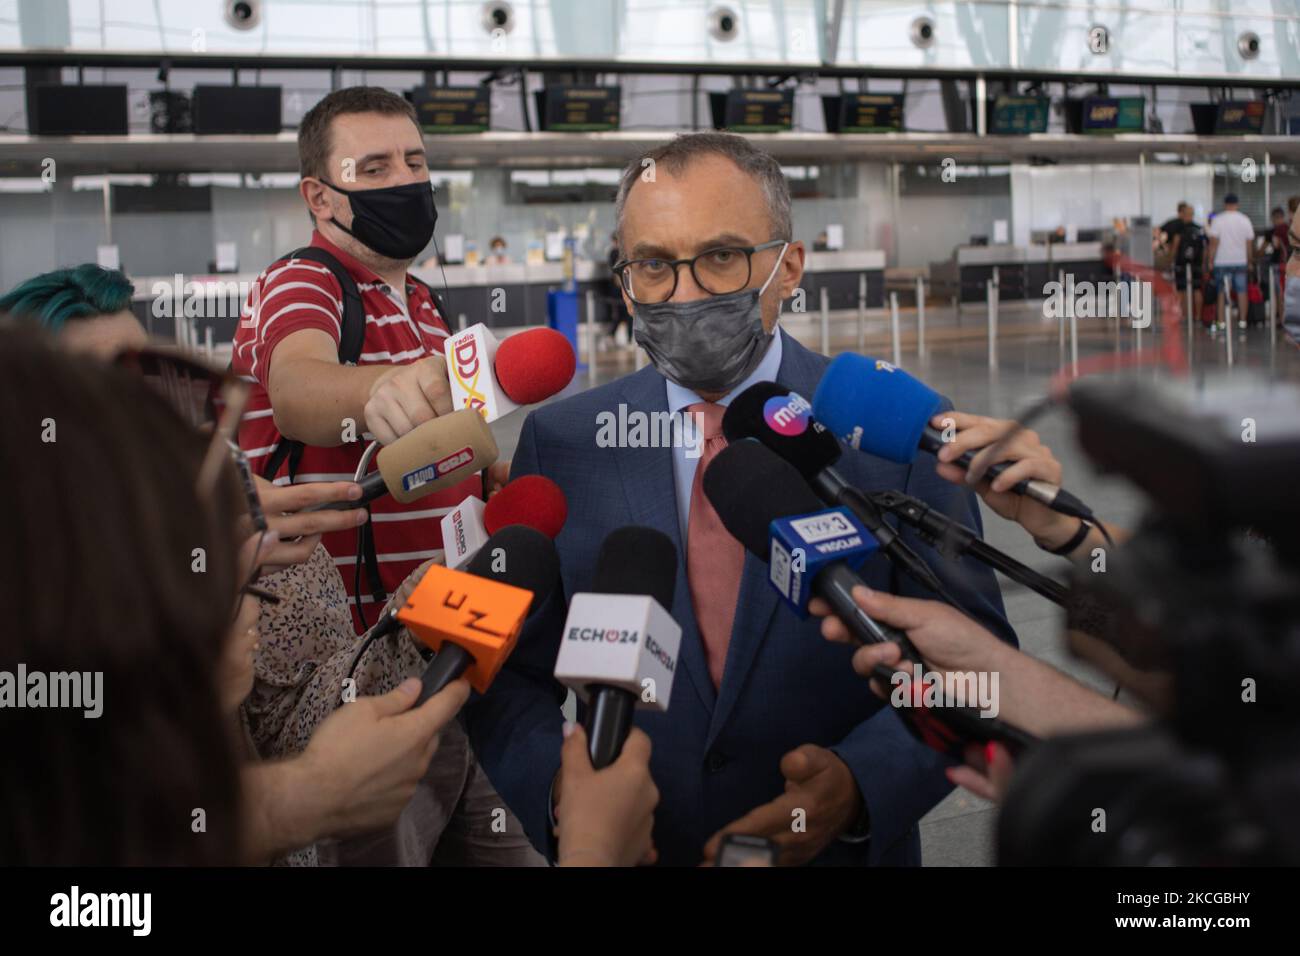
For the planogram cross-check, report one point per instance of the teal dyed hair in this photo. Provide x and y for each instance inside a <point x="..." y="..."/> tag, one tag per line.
<point x="82" y="292"/>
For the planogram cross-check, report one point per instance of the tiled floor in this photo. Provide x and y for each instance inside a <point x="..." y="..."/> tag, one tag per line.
<point x="960" y="830"/>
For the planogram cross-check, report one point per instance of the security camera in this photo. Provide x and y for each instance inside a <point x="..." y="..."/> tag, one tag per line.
<point x="498" y="15"/>
<point x="724" y="23"/>
<point x="1248" y="45"/>
<point x="242" y="14"/>
<point x="923" y="32"/>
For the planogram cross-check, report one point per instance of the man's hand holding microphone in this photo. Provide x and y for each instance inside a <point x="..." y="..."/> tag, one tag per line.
<point x="405" y="396"/>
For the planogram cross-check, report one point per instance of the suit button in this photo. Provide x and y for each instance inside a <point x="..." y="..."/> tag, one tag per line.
<point x="715" y="762"/>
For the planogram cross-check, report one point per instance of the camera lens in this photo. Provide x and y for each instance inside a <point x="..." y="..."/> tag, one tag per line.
<point x="922" y="32"/>
<point x="723" y="23"/>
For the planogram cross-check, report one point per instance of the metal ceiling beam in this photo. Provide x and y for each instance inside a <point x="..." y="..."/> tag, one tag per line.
<point x="182" y="152"/>
<point x="420" y="64"/>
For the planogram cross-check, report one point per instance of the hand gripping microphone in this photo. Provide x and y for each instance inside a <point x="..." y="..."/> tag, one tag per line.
<point x="471" y="619"/>
<point x="783" y="421"/>
<point x="620" y="644"/>
<point x="532" y="500"/>
<point x="880" y="409"/>
<point x="442" y="452"/>
<point x="762" y="500"/>
<point x="495" y="377"/>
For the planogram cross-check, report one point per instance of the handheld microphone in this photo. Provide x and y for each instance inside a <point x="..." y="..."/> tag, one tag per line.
<point x="531" y="500"/>
<point x="752" y="489"/>
<point x="472" y="619"/>
<point x="783" y="421"/>
<point x="495" y="377"/>
<point x="620" y="645"/>
<point x="442" y="452"/>
<point x="880" y="409"/>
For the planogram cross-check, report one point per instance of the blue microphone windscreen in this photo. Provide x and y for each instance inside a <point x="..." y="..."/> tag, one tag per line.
<point x="871" y="405"/>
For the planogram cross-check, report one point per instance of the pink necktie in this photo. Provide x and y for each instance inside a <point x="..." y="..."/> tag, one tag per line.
<point x="714" y="559"/>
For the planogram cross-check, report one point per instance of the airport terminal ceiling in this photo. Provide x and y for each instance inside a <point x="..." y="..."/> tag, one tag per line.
<point x="1180" y="40"/>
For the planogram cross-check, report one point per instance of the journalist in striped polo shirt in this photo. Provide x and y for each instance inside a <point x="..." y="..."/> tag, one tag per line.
<point x="365" y="182"/>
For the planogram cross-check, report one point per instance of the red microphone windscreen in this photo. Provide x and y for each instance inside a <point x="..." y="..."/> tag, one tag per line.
<point x="530" y="500"/>
<point x="534" y="365"/>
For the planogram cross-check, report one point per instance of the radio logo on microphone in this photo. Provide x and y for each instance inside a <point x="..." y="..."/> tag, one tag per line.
<point x="466" y="367"/>
<point x="458" y="524"/>
<point x="422" y="476"/>
<point x="787" y="414"/>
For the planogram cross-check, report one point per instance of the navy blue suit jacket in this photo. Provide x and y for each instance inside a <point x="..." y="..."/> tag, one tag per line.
<point x="716" y="755"/>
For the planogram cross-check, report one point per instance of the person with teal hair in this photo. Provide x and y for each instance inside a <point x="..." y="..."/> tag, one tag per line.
<point x="88" y="309"/>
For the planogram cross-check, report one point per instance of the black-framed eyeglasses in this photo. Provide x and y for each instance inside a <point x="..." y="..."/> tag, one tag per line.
<point x="717" y="271"/>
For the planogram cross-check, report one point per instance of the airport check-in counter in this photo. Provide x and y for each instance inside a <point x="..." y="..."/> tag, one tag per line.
<point x="508" y="295"/>
<point x="1022" y="271"/>
<point x="839" y="274"/>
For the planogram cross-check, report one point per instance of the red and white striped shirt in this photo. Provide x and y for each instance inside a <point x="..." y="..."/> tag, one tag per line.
<point x="298" y="294"/>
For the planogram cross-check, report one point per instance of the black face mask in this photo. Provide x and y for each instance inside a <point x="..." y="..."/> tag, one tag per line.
<point x="395" y="221"/>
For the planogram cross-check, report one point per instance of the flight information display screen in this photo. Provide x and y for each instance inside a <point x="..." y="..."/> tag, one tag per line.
<point x="579" y="109"/>
<point x="1113" y="114"/>
<point x="871" y="113"/>
<point x="1018" y="115"/>
<point x="453" y="109"/>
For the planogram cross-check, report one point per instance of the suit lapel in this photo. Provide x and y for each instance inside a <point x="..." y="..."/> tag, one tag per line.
<point x="758" y="600"/>
<point x="650" y="485"/>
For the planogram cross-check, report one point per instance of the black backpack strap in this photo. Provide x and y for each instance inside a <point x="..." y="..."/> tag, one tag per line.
<point x="370" y="558"/>
<point x="352" y="329"/>
<point x="437" y="300"/>
<point x="286" y="448"/>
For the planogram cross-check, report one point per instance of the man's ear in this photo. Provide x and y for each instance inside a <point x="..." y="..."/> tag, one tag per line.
<point x="791" y="273"/>
<point x="315" y="194"/>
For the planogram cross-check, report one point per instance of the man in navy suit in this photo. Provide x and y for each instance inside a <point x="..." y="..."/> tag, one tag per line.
<point x="769" y="731"/>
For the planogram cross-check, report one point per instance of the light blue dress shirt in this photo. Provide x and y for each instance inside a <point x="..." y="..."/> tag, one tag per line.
<point x="678" y="398"/>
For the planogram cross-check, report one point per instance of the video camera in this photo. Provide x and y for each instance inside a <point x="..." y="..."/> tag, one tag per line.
<point x="1207" y="591"/>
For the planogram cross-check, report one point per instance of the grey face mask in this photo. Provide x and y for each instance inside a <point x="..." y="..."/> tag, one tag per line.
<point x="708" y="345"/>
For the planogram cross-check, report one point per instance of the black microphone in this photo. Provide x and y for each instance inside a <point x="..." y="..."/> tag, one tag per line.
<point x="783" y="421"/>
<point x="750" y="487"/>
